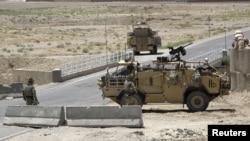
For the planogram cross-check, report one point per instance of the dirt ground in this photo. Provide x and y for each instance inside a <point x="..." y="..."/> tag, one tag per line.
<point x="45" y="35"/>
<point x="161" y="123"/>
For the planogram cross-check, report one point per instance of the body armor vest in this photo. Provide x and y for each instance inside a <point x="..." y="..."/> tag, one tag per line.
<point x="28" y="91"/>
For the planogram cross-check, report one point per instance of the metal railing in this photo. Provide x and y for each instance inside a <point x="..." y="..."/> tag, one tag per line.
<point x="93" y="61"/>
<point x="211" y="56"/>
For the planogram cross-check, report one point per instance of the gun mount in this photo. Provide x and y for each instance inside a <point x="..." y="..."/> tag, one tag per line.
<point x="176" y="52"/>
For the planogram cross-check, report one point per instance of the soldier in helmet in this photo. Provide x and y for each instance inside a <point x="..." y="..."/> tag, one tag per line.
<point x="240" y="41"/>
<point x="29" y="93"/>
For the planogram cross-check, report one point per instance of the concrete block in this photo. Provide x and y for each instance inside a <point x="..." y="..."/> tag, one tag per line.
<point x="56" y="75"/>
<point x="104" y="116"/>
<point x="248" y="82"/>
<point x="233" y="60"/>
<point x="240" y="61"/>
<point x="16" y="87"/>
<point x="4" y="89"/>
<point x="241" y="81"/>
<point x="246" y="61"/>
<point x="233" y="81"/>
<point x="34" y="116"/>
<point x="22" y="75"/>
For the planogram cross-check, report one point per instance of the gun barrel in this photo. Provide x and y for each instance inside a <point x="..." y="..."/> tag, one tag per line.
<point x="187" y="44"/>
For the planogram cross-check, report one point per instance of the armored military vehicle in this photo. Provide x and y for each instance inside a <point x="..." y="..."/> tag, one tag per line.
<point x="143" y="38"/>
<point x="167" y="80"/>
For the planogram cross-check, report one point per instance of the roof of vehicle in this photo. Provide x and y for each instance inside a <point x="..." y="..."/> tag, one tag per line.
<point x="125" y="63"/>
<point x="141" y="25"/>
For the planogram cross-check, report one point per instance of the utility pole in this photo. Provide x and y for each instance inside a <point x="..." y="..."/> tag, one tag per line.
<point x="106" y="42"/>
<point x="225" y="35"/>
<point x="209" y="19"/>
<point x="125" y="49"/>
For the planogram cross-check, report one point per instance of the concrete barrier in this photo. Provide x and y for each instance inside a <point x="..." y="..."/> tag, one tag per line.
<point x="11" y="88"/>
<point x="234" y="60"/>
<point x="245" y="62"/>
<point x="240" y="69"/>
<point x="233" y="81"/>
<point x="34" y="116"/>
<point x="104" y="116"/>
<point x="248" y="82"/>
<point x="22" y="75"/>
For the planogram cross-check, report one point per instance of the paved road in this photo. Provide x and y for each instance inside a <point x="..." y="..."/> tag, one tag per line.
<point x="83" y="91"/>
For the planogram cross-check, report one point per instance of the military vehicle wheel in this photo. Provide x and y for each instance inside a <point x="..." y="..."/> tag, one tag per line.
<point x="136" y="52"/>
<point x="197" y="101"/>
<point x="154" y="51"/>
<point x="134" y="99"/>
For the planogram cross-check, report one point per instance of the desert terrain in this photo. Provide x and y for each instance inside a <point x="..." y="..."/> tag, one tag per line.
<point x="45" y="35"/>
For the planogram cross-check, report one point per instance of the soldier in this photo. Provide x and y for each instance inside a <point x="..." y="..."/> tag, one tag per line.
<point x="29" y="93"/>
<point x="129" y="87"/>
<point x="240" y="41"/>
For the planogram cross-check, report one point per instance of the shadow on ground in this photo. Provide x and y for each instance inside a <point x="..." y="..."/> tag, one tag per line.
<point x="185" y="110"/>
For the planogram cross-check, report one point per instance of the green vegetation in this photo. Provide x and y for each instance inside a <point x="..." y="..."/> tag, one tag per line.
<point x="60" y="46"/>
<point x="225" y="60"/>
<point x="20" y="50"/>
<point x="85" y="50"/>
<point x="37" y="41"/>
<point x="6" y="50"/>
<point x="179" y="43"/>
<point x="30" y="49"/>
<point x="11" y="64"/>
<point x="68" y="44"/>
<point x="20" y="45"/>
<point x="233" y="15"/>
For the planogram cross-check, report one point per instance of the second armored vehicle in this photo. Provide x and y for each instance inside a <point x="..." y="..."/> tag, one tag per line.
<point x="143" y="38"/>
<point x="171" y="80"/>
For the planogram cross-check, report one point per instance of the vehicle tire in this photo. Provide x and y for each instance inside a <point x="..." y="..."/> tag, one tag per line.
<point x="154" y="51"/>
<point x="197" y="101"/>
<point x="134" y="99"/>
<point x="136" y="52"/>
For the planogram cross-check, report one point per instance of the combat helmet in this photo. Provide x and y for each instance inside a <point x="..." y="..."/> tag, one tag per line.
<point x="238" y="33"/>
<point x="30" y="81"/>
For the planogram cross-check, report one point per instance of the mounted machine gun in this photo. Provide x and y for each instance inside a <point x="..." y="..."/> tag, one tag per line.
<point x="175" y="52"/>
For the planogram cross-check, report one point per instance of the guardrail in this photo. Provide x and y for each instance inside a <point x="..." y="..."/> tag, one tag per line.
<point x="91" y="64"/>
<point x="92" y="61"/>
<point x="211" y="56"/>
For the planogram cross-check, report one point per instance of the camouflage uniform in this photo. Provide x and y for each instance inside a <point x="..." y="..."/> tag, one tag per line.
<point x="129" y="87"/>
<point x="29" y="93"/>
<point x="240" y="42"/>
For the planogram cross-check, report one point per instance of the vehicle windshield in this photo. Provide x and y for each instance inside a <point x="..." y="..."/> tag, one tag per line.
<point x="123" y="70"/>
